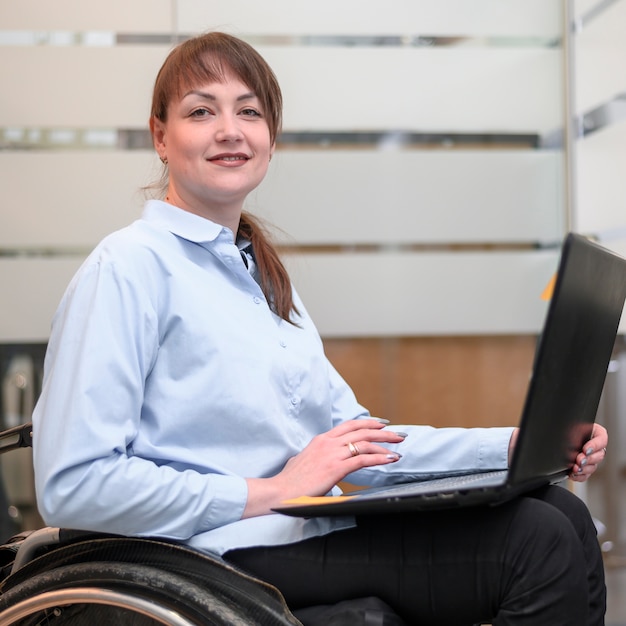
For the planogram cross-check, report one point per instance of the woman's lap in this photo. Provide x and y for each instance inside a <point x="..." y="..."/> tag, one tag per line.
<point x="523" y="561"/>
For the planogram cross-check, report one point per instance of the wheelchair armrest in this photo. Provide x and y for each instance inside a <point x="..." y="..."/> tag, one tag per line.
<point x="17" y="437"/>
<point x="37" y="539"/>
<point x="29" y="545"/>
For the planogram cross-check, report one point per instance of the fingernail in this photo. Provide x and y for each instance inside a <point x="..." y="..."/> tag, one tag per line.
<point x="382" y="420"/>
<point x="583" y="463"/>
<point x="589" y="451"/>
<point x="401" y="434"/>
<point x="580" y="470"/>
<point x="395" y="456"/>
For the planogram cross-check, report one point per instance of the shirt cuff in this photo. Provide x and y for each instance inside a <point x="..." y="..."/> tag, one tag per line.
<point x="228" y="497"/>
<point x="493" y="450"/>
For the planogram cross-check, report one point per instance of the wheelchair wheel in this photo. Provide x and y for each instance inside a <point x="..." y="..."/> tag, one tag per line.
<point x="120" y="594"/>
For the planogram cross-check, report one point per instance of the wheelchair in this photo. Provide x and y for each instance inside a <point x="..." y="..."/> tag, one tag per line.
<point x="66" y="577"/>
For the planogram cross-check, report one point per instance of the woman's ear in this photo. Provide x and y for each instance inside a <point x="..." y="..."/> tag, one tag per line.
<point x="157" y="129"/>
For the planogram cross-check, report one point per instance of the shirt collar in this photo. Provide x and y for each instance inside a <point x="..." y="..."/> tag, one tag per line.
<point x="183" y="223"/>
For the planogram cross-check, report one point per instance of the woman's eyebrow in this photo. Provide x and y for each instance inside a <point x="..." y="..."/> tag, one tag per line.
<point x="209" y="96"/>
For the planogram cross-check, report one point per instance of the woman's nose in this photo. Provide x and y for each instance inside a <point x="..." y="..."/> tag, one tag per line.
<point x="228" y="129"/>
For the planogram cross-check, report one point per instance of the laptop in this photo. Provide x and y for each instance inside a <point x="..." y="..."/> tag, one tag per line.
<point x="568" y="374"/>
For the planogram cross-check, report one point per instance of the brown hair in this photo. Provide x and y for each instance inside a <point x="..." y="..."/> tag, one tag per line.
<point x="206" y="59"/>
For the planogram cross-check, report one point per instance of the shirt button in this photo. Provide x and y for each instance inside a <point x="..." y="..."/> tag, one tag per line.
<point x="294" y="401"/>
<point x="283" y="344"/>
<point x="257" y="300"/>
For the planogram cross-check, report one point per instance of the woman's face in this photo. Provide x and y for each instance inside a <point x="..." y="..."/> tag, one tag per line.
<point x="217" y="144"/>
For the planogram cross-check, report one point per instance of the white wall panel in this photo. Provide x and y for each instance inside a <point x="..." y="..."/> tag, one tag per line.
<point x="354" y="17"/>
<point x="70" y="199"/>
<point x="582" y="7"/>
<point x="78" y="87"/>
<point x="600" y="57"/>
<point x="347" y="295"/>
<point x="424" y="294"/>
<point x="446" y="89"/>
<point x="413" y="196"/>
<point x="77" y="15"/>
<point x="616" y="241"/>
<point x="449" y="89"/>
<point x="315" y="197"/>
<point x="31" y="289"/>
<point x="602" y="180"/>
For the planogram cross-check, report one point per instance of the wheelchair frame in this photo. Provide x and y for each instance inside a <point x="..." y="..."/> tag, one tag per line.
<point x="64" y="576"/>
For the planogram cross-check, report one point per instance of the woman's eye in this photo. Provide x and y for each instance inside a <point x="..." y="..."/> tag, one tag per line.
<point x="202" y="112"/>
<point x="251" y="113"/>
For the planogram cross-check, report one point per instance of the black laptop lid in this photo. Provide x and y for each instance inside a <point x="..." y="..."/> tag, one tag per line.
<point x="571" y="361"/>
<point x="581" y="323"/>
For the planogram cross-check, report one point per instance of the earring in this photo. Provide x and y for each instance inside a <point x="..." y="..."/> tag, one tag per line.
<point x="163" y="160"/>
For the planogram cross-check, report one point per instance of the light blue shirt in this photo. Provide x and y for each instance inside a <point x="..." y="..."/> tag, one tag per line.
<point x="168" y="380"/>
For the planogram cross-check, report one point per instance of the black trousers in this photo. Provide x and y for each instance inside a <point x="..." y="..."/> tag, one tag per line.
<point x="533" y="561"/>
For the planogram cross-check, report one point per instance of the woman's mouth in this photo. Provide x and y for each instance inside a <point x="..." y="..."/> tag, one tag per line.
<point x="230" y="158"/>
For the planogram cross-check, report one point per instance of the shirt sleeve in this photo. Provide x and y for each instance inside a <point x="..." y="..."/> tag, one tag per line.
<point x="427" y="451"/>
<point x="104" y="341"/>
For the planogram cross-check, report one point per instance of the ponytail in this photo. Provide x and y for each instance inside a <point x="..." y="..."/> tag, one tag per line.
<point x="275" y="282"/>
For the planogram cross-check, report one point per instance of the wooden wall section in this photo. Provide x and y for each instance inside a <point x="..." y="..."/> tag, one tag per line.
<point x="441" y="381"/>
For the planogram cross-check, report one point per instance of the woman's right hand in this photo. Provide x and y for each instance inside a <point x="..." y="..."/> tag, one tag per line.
<point x="325" y="461"/>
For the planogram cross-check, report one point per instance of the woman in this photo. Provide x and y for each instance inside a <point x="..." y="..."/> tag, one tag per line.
<point x="187" y="393"/>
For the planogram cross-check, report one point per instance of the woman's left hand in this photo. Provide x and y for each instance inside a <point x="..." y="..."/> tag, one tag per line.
<point x="588" y="459"/>
<point x="591" y="455"/>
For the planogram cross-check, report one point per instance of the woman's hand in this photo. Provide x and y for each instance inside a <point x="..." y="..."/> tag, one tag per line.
<point x="327" y="460"/>
<point x="587" y="460"/>
<point x="591" y="455"/>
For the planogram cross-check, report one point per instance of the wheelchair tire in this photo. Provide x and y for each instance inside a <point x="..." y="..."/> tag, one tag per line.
<point x="99" y="593"/>
<point x="262" y="604"/>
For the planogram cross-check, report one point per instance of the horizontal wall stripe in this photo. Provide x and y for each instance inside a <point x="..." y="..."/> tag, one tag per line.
<point x="607" y="114"/>
<point x="588" y="14"/>
<point x="108" y="39"/>
<point x="32" y="252"/>
<point x="422" y="40"/>
<point x="14" y="138"/>
<point x="399" y="139"/>
<point x="486" y="246"/>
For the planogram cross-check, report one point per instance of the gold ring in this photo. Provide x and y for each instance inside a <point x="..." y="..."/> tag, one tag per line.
<point x="354" y="451"/>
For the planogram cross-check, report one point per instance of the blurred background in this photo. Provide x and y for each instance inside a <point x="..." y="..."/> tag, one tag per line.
<point x="434" y="154"/>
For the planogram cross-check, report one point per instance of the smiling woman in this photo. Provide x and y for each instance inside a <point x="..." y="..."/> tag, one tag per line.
<point x="187" y="394"/>
<point x="216" y="142"/>
<point x="217" y="105"/>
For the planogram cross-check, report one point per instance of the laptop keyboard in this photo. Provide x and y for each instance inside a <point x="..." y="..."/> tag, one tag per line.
<point x="449" y="483"/>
